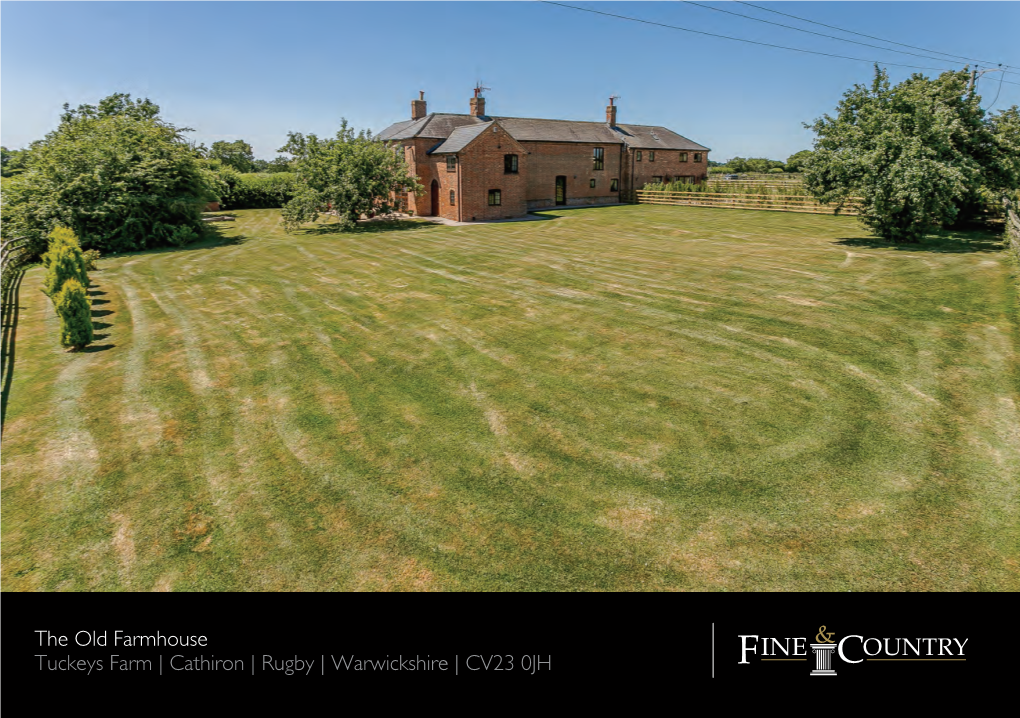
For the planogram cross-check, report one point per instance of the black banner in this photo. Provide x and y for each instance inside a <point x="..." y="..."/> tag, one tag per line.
<point x="523" y="645"/>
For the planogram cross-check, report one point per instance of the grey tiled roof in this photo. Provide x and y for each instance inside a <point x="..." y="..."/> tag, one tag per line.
<point x="523" y="129"/>
<point x="435" y="125"/>
<point x="396" y="130"/>
<point x="460" y="138"/>
<point x="655" y="138"/>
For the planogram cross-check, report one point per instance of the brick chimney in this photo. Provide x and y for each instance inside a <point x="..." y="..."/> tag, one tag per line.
<point x="477" y="106"/>
<point x="418" y="106"/>
<point x="611" y="112"/>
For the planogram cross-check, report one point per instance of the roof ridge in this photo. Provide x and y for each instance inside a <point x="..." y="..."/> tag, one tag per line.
<point x="636" y="125"/>
<point x="549" y="119"/>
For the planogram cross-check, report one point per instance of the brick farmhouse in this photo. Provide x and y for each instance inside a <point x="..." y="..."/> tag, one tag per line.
<point x="477" y="167"/>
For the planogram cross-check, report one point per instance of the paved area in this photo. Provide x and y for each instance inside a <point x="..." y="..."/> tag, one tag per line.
<point x="530" y="217"/>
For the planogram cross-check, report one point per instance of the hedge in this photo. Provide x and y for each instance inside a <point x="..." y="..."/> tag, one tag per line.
<point x="261" y="190"/>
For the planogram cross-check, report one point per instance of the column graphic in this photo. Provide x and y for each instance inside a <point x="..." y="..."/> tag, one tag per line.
<point x="823" y="653"/>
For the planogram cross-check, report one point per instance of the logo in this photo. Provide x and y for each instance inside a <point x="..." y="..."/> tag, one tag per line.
<point x="823" y="653"/>
<point x="851" y="649"/>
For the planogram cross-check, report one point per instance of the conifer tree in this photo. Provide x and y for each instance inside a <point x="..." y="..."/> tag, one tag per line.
<point x="75" y="312"/>
<point x="64" y="261"/>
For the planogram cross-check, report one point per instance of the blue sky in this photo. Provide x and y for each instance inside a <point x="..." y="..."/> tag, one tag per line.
<point x="255" y="70"/>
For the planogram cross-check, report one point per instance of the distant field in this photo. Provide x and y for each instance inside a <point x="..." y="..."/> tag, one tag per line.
<point x="623" y="398"/>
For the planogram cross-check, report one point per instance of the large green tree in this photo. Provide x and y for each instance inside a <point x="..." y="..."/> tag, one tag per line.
<point x="798" y="161"/>
<point x="115" y="174"/>
<point x="118" y="104"/>
<point x="915" y="154"/>
<point x="753" y="164"/>
<point x="237" y="154"/>
<point x="12" y="162"/>
<point x="278" y="164"/>
<point x="349" y="174"/>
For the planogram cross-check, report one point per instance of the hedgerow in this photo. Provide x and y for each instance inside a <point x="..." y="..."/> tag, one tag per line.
<point x="262" y="190"/>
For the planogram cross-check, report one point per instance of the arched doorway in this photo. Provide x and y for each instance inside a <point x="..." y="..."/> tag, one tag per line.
<point x="435" y="198"/>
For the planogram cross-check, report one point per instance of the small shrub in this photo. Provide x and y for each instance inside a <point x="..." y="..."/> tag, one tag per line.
<point x="64" y="261"/>
<point x="90" y="256"/>
<point x="75" y="312"/>
<point x="182" y="235"/>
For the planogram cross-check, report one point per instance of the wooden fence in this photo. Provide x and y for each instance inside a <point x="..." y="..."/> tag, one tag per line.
<point x="12" y="256"/>
<point x="753" y="183"/>
<point x="768" y="202"/>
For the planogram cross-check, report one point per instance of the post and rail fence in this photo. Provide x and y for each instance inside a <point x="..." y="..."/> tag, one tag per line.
<point x="768" y="202"/>
<point x="12" y="256"/>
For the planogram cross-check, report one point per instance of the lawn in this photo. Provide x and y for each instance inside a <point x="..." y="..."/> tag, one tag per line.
<point x="623" y="398"/>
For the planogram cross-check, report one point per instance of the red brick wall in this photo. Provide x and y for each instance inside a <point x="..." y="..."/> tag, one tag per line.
<point x="482" y="169"/>
<point x="574" y="161"/>
<point x="447" y="181"/>
<point x="424" y="166"/>
<point x="667" y="164"/>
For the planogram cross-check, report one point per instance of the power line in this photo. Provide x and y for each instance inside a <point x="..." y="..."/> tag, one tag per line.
<point x="812" y="32"/>
<point x="752" y="42"/>
<point x="996" y="93"/>
<point x="872" y="37"/>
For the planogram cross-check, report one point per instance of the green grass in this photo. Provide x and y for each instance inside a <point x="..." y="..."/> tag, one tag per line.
<point x="619" y="398"/>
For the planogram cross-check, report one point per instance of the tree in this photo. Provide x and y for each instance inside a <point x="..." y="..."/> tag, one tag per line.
<point x="916" y="154"/>
<point x="352" y="174"/>
<point x="738" y="164"/>
<point x="759" y="164"/>
<point x="1002" y="170"/>
<point x="753" y="164"/>
<point x="63" y="262"/>
<point x="798" y="160"/>
<point x="12" y="161"/>
<point x="237" y="154"/>
<point x="117" y="175"/>
<point x="75" y="312"/>
<point x="116" y="105"/>
<point x="280" y="164"/>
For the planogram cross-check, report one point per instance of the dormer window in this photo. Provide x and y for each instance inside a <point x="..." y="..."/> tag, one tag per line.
<point x="451" y="163"/>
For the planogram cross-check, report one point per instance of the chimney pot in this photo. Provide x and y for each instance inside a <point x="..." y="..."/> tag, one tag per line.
<point x="419" y="107"/>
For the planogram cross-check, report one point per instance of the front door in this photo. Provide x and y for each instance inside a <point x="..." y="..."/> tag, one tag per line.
<point x="561" y="190"/>
<point x="435" y="198"/>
